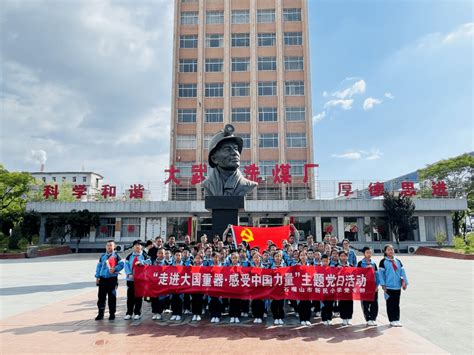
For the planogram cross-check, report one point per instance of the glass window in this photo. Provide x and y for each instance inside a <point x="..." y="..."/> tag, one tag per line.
<point x="267" y="114"/>
<point x="266" y="166"/>
<point x="185" y="141"/>
<point x="240" y="16"/>
<point x="214" y="90"/>
<point x="188" y="41"/>
<point x="187" y="115"/>
<point x="290" y="15"/>
<point x="294" y="63"/>
<point x="240" y="39"/>
<point x="293" y="38"/>
<point x="189" y="18"/>
<point x="267" y="88"/>
<point x="294" y="88"/>
<point x="214" y="17"/>
<point x="241" y="114"/>
<point x="214" y="41"/>
<point x="267" y="63"/>
<point x="130" y="228"/>
<point x="296" y="140"/>
<point x="266" y="16"/>
<point x="106" y="228"/>
<point x="295" y="113"/>
<point x="214" y="115"/>
<point x="187" y="90"/>
<point x="184" y="169"/>
<point x="207" y="140"/>
<point x="353" y="228"/>
<point x="240" y="89"/>
<point x="297" y="167"/>
<point x="246" y="138"/>
<point x="266" y="39"/>
<point x="214" y="64"/>
<point x="188" y="65"/>
<point x="240" y="64"/>
<point x="268" y="140"/>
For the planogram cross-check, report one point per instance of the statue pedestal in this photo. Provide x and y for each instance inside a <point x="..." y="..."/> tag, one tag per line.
<point x="225" y="211"/>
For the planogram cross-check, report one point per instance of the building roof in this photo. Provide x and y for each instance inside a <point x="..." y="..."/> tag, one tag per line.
<point x="64" y="172"/>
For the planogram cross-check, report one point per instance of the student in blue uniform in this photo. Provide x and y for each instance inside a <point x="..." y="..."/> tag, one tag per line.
<point x="106" y="273"/>
<point x="277" y="306"/>
<point x="370" y="308"/>
<point x="134" y="259"/>
<point x="197" y="298"/>
<point x="327" y="306"/>
<point x="346" y="307"/>
<point x="215" y="303"/>
<point x="158" y="303"/>
<point x="392" y="279"/>
<point x="234" y="303"/>
<point x="258" y="307"/>
<point x="351" y="255"/>
<point x="177" y="298"/>
<point x="244" y="261"/>
<point x="304" y="307"/>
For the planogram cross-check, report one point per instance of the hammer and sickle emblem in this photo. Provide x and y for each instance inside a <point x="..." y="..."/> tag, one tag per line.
<point x="247" y="235"/>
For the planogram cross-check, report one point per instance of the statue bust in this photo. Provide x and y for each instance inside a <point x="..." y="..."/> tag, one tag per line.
<point x="225" y="178"/>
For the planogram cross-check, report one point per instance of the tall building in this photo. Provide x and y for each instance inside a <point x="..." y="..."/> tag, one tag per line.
<point x="244" y="62"/>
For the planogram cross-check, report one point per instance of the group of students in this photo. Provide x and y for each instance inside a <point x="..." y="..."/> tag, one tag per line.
<point x="389" y="275"/>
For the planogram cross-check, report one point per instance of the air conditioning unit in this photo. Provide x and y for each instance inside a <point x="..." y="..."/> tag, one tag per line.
<point x="412" y="249"/>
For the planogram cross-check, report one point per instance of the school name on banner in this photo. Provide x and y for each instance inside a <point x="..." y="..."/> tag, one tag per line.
<point x="292" y="283"/>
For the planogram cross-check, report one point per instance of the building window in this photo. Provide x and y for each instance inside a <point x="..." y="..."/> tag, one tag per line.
<point x="296" y="140"/>
<point x="214" y="41"/>
<point x="290" y="15"/>
<point x="267" y="114"/>
<point x="187" y="90"/>
<point x="188" y="65"/>
<point x="84" y="179"/>
<point x="267" y="88"/>
<point x="130" y="228"/>
<point x="266" y="39"/>
<point x="240" y="16"/>
<point x="266" y="16"/>
<point x="294" y="88"/>
<point x="188" y="41"/>
<point x="268" y="140"/>
<point x="240" y="89"/>
<point x="188" y="1"/>
<point x="187" y="115"/>
<point x="214" y="115"/>
<point x="214" y="17"/>
<point x="246" y="138"/>
<point x="189" y="18"/>
<point x="214" y="90"/>
<point x="293" y="38"/>
<point x="266" y="166"/>
<point x="185" y="141"/>
<point x="241" y="114"/>
<point x="297" y="167"/>
<point x="214" y="64"/>
<point x="294" y="63"/>
<point x="243" y="164"/>
<point x="63" y="179"/>
<point x="295" y="113"/>
<point x="207" y="140"/>
<point x="240" y="39"/>
<point x="267" y="63"/>
<point x="240" y="64"/>
<point x="106" y="228"/>
<point x="53" y="178"/>
<point x="74" y="179"/>
<point x="184" y="169"/>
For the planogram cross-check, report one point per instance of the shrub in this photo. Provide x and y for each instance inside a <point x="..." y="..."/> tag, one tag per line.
<point x="458" y="242"/>
<point x="14" y="238"/>
<point x="35" y="239"/>
<point x="470" y="239"/>
<point x="440" y="238"/>
<point x="23" y="243"/>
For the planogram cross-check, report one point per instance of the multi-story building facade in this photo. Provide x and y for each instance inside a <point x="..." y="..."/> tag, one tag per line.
<point x="243" y="62"/>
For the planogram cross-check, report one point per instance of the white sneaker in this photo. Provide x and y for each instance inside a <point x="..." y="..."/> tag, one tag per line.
<point x="154" y="317"/>
<point x="173" y="317"/>
<point x="187" y="311"/>
<point x="280" y="321"/>
<point x="137" y="316"/>
<point x="178" y="318"/>
<point x="265" y="315"/>
<point x="308" y="323"/>
<point x="127" y="317"/>
<point x="217" y="320"/>
<point x="232" y="319"/>
<point x="255" y="321"/>
<point x="303" y="322"/>
<point x="213" y="319"/>
<point x="344" y="322"/>
<point x="194" y="318"/>
<point x="260" y="320"/>
<point x="237" y="320"/>
<point x="399" y="324"/>
<point x="158" y="316"/>
<point x="348" y="321"/>
<point x="326" y="322"/>
<point x="318" y="314"/>
<point x="198" y="318"/>
<point x="276" y="322"/>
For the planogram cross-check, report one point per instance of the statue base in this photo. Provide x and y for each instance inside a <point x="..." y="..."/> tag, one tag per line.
<point x="225" y="211"/>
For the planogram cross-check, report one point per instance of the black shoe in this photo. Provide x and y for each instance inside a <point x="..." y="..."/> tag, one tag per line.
<point x="112" y="316"/>
<point x="100" y="316"/>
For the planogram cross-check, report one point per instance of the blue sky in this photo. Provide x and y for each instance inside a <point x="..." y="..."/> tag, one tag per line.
<point x="89" y="83"/>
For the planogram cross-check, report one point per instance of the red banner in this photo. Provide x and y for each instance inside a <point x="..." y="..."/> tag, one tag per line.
<point x="258" y="237"/>
<point x="292" y="283"/>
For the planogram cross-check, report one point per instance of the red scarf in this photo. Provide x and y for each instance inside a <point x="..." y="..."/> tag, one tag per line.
<point x="395" y="268"/>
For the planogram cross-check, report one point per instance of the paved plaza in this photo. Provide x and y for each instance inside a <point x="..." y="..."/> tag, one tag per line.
<point x="48" y="306"/>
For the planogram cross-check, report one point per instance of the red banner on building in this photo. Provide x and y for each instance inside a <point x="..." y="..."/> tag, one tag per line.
<point x="292" y="283"/>
<point x="259" y="236"/>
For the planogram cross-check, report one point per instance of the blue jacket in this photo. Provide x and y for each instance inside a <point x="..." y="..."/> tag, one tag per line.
<point x="364" y="263"/>
<point x="102" y="269"/>
<point x="390" y="278"/>
<point x="352" y="258"/>
<point x="128" y="263"/>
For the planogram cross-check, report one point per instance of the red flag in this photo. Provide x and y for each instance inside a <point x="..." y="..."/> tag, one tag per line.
<point x="258" y="237"/>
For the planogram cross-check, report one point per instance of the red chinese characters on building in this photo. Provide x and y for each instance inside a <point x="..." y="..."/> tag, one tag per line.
<point x="344" y="188"/>
<point x="408" y="189"/>
<point x="50" y="190"/>
<point x="306" y="171"/>
<point x="136" y="191"/>
<point x="281" y="174"/>
<point x="439" y="188"/>
<point x="198" y="171"/>
<point x="79" y="191"/>
<point x="376" y="189"/>
<point x="172" y="171"/>
<point x="108" y="191"/>
<point x="252" y="172"/>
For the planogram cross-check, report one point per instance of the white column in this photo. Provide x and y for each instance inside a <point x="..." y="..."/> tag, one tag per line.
<point x="92" y="234"/>
<point x="118" y="227"/>
<point x="143" y="228"/>
<point x="319" y="234"/>
<point x="340" y="228"/>
<point x="449" y="229"/>
<point x="422" y="228"/>
<point x="368" y="238"/>
<point x="163" y="227"/>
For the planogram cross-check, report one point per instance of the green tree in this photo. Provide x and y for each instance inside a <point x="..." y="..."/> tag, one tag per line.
<point x="458" y="174"/>
<point x="399" y="212"/>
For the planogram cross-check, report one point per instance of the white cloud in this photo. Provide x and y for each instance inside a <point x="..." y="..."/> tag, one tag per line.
<point x="374" y="154"/>
<point x="357" y="88"/>
<point x="319" y="117"/>
<point x="370" y="102"/>
<point x="349" y="155"/>
<point x="344" y="104"/>
<point x="325" y="93"/>
<point x="389" y="95"/>
<point x="464" y="31"/>
<point x="359" y="154"/>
